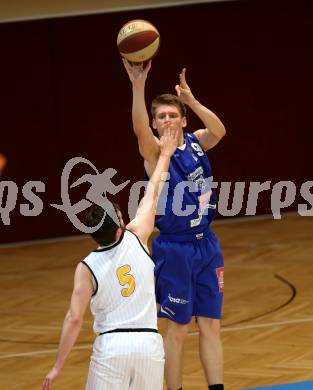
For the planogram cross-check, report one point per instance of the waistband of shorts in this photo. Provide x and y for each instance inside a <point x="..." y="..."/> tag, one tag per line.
<point x="183" y="237"/>
<point x="125" y="330"/>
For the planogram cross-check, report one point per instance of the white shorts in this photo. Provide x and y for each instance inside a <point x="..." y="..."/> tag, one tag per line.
<point x="129" y="360"/>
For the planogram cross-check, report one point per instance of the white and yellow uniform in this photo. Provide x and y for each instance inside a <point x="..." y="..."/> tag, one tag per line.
<point x="128" y="352"/>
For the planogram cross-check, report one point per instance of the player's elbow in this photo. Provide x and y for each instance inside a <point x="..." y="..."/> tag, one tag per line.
<point x="76" y="322"/>
<point x="222" y="131"/>
<point x="219" y="134"/>
<point x="74" y="319"/>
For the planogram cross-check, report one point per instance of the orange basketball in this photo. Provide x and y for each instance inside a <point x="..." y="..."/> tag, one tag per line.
<point x="138" y="41"/>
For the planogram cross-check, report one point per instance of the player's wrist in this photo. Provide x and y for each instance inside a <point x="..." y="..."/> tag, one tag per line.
<point x="193" y="103"/>
<point x="165" y="155"/>
<point x="58" y="367"/>
<point x="138" y="86"/>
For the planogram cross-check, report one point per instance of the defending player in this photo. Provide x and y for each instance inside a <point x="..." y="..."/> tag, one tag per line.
<point x="189" y="269"/>
<point x="118" y="277"/>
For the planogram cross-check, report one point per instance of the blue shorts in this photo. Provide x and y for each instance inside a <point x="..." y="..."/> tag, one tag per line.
<point x="189" y="276"/>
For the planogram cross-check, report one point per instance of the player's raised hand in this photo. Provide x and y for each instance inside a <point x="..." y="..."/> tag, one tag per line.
<point x="137" y="72"/>
<point x="183" y="91"/>
<point x="169" y="142"/>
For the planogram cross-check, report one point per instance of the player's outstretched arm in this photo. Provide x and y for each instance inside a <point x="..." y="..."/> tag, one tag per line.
<point x="143" y="223"/>
<point x="81" y="295"/>
<point x="148" y="145"/>
<point x="215" y="129"/>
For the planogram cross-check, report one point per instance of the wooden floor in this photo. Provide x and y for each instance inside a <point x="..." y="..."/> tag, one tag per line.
<point x="268" y="312"/>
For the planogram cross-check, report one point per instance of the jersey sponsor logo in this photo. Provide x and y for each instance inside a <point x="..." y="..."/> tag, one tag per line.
<point x="220" y="278"/>
<point x="167" y="311"/>
<point x="197" y="172"/>
<point x="196" y="221"/>
<point x="177" y="300"/>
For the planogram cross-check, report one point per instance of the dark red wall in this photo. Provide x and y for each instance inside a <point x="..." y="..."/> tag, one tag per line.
<point x="64" y="93"/>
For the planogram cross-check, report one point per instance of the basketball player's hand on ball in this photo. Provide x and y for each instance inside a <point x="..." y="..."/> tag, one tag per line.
<point x="137" y="72"/>
<point x="169" y="142"/>
<point x="183" y="91"/>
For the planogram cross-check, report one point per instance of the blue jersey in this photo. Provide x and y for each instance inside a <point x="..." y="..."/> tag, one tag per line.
<point x="188" y="201"/>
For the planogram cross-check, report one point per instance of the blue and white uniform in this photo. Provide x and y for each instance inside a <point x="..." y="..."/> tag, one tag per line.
<point x="189" y="262"/>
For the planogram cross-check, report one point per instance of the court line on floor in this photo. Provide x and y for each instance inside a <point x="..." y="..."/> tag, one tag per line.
<point x="42" y="352"/>
<point x="226" y="329"/>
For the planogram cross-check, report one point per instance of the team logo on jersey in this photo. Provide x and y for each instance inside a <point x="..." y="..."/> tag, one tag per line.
<point x="220" y="278"/>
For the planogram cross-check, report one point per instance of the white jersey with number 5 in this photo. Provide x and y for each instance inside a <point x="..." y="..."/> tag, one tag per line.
<point x="124" y="294"/>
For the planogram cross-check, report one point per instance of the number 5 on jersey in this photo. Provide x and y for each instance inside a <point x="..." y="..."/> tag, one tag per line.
<point x="125" y="278"/>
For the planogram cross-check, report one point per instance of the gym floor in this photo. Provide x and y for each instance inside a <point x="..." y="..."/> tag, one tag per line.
<point x="266" y="327"/>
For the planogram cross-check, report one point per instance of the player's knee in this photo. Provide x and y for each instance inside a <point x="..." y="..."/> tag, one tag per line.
<point x="209" y="327"/>
<point x="177" y="332"/>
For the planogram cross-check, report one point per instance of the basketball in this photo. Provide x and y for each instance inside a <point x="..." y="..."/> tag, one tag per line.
<point x="138" y="41"/>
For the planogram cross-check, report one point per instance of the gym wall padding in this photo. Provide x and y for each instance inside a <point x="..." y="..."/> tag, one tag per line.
<point x="64" y="93"/>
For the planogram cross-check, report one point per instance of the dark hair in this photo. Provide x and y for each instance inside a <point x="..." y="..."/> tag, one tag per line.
<point x="169" y="100"/>
<point x="105" y="235"/>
